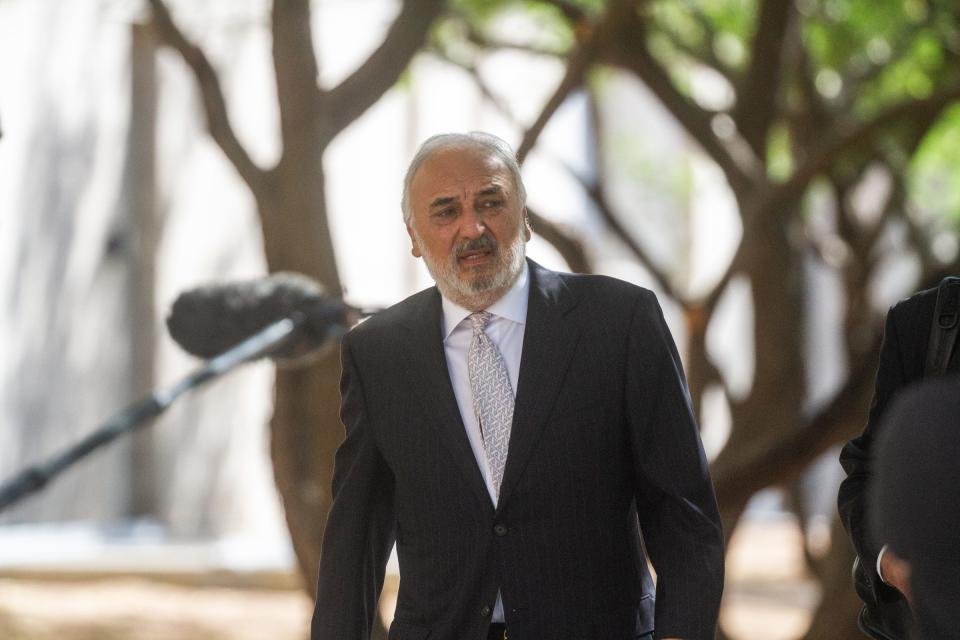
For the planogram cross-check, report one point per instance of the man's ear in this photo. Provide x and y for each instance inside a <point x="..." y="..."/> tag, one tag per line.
<point x="527" y="229"/>
<point x="414" y="245"/>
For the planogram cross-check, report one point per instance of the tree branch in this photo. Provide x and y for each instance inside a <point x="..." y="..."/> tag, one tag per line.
<point x="855" y="80"/>
<point x="215" y="108"/>
<point x="863" y="241"/>
<point x="933" y="273"/>
<point x="295" y="68"/>
<point x="624" y="46"/>
<point x="352" y="97"/>
<point x="566" y="244"/>
<point x="871" y="236"/>
<point x="709" y="303"/>
<point x="701" y="372"/>
<point x="595" y="191"/>
<point x="844" y="139"/>
<point x="781" y="459"/>
<point x="488" y="43"/>
<point x="702" y="57"/>
<point x="757" y="94"/>
<point x="573" y="13"/>
<point x="485" y="89"/>
<point x="708" y="54"/>
<point x="577" y="66"/>
<point x="817" y="111"/>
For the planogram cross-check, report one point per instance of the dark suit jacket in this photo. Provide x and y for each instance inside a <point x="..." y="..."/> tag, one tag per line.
<point x="902" y="359"/>
<point x="913" y="499"/>
<point x="603" y="440"/>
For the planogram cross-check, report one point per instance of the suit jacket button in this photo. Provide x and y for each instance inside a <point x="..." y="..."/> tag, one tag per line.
<point x="485" y="610"/>
<point x="500" y="530"/>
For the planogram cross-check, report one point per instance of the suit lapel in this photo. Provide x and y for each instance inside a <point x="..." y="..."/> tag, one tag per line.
<point x="436" y="392"/>
<point x="549" y="341"/>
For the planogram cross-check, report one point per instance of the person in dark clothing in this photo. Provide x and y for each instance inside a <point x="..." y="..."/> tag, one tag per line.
<point x="514" y="430"/>
<point x="903" y="358"/>
<point x="913" y="503"/>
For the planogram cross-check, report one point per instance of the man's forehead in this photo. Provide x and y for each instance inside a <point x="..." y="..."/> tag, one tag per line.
<point x="448" y="168"/>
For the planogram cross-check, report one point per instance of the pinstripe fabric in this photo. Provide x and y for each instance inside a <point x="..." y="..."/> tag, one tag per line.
<point x="603" y="444"/>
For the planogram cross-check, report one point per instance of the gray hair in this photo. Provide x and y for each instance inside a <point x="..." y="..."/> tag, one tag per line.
<point x="497" y="147"/>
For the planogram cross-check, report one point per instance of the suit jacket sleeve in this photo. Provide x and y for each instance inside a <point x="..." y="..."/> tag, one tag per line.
<point x="360" y="529"/>
<point x="856" y="454"/>
<point x="675" y="499"/>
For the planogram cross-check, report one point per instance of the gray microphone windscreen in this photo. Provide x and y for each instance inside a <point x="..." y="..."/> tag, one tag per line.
<point x="210" y="319"/>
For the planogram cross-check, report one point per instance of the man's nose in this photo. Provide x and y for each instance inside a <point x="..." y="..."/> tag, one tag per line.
<point x="473" y="223"/>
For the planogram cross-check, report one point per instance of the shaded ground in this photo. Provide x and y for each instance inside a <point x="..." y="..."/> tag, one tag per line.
<point x="130" y="609"/>
<point x="767" y="598"/>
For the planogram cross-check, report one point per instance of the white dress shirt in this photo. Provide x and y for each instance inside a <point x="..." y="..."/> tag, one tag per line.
<point x="506" y="330"/>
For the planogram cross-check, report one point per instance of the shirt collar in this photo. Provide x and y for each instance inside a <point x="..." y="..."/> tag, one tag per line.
<point x="512" y="305"/>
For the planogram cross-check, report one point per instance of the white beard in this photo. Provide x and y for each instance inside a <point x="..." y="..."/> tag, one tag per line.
<point x="480" y="292"/>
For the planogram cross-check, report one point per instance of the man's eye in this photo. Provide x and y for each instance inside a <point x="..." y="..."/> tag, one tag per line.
<point x="492" y="204"/>
<point x="445" y="213"/>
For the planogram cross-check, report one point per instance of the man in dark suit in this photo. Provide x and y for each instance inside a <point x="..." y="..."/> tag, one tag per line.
<point x="913" y="502"/>
<point x="880" y="583"/>
<point x="514" y="430"/>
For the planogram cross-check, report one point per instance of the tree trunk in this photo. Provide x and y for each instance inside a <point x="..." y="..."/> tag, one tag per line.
<point x="305" y="434"/>
<point x="836" y="615"/>
<point x="778" y="387"/>
<point x="144" y="231"/>
<point x="305" y="429"/>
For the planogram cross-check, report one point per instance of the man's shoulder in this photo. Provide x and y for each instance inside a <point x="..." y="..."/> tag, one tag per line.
<point x="914" y="314"/>
<point x="912" y="318"/>
<point x="919" y="302"/>
<point x="404" y="313"/>
<point x="603" y="288"/>
<point x="923" y="301"/>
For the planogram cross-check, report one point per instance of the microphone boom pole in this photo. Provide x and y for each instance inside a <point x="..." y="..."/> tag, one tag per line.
<point x="260" y="344"/>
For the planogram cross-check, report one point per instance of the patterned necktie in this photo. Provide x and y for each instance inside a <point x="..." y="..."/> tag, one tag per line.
<point x="492" y="396"/>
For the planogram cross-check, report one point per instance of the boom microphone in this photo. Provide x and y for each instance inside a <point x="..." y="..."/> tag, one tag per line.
<point x="208" y="320"/>
<point x="285" y="316"/>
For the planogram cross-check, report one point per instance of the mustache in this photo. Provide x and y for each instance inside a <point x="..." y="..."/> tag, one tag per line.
<point x="483" y="243"/>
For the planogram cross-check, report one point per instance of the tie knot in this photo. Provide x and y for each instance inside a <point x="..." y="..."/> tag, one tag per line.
<point x="480" y="320"/>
